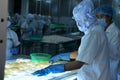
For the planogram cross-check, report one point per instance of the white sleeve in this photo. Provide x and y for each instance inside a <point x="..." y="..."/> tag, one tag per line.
<point x="23" y="25"/>
<point x="115" y="46"/>
<point x="15" y="39"/>
<point x="88" y="48"/>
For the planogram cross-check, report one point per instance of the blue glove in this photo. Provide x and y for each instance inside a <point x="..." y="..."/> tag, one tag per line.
<point x="14" y="50"/>
<point x="58" y="68"/>
<point x="62" y="56"/>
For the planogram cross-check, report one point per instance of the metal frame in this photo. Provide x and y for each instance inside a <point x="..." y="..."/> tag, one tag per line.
<point x="3" y="19"/>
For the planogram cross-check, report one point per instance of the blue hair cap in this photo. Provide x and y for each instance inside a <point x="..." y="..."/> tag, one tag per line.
<point x="105" y="9"/>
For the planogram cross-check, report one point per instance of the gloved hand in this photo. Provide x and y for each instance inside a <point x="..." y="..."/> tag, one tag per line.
<point x="62" y="56"/>
<point x="58" y="68"/>
<point x="14" y="50"/>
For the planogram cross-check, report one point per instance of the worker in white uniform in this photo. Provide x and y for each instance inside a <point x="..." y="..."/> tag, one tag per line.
<point x="12" y="42"/>
<point x="93" y="59"/>
<point x="27" y="27"/>
<point x="105" y="19"/>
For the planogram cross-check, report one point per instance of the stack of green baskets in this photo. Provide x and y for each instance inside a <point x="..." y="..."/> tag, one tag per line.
<point x="40" y="57"/>
<point x="36" y="37"/>
<point x="57" y="26"/>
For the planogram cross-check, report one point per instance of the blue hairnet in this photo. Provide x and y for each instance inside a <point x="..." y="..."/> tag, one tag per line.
<point x="83" y="15"/>
<point x="105" y="9"/>
<point x="29" y="16"/>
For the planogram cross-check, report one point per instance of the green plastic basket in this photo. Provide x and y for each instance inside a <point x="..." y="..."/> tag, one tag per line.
<point x="40" y="57"/>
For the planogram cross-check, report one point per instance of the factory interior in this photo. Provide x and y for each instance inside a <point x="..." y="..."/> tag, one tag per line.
<point x="40" y="29"/>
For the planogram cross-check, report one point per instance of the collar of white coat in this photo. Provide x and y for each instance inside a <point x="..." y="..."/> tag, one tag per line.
<point x="109" y="28"/>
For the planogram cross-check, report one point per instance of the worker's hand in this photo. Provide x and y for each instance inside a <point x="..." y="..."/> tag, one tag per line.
<point x="58" y="68"/>
<point x="14" y="50"/>
<point x="60" y="57"/>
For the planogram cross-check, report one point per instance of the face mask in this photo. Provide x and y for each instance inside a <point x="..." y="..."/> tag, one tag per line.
<point x="83" y="26"/>
<point x="102" y="22"/>
<point x="80" y="27"/>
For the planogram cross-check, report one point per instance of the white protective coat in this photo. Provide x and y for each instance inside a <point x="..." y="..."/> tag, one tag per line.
<point x="93" y="51"/>
<point x="12" y="41"/>
<point x="113" y="35"/>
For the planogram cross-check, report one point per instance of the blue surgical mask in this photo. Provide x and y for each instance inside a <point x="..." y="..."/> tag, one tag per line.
<point x="102" y="22"/>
